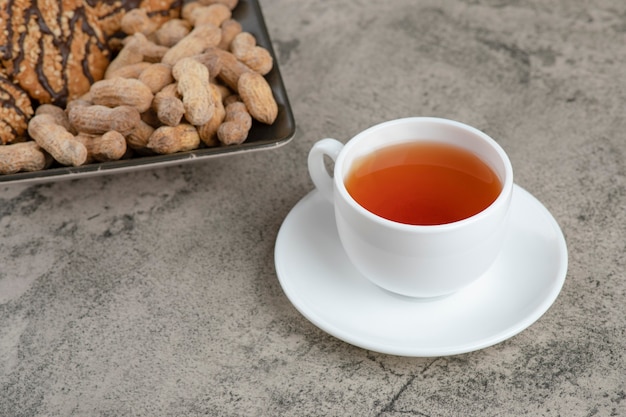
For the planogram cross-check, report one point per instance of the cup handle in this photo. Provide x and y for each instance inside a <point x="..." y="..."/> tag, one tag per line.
<point x="317" y="168"/>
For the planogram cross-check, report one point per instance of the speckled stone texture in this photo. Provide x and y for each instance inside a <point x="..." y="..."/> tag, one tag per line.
<point x="154" y="293"/>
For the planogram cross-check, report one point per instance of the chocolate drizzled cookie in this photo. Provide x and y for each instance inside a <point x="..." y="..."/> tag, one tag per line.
<point x="15" y="112"/>
<point x="53" y="50"/>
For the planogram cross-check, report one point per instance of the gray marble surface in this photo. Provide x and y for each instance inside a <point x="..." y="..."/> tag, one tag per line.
<point x="155" y="294"/>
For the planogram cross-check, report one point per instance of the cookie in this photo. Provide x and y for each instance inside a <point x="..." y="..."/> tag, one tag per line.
<point x="55" y="49"/>
<point x="15" y="111"/>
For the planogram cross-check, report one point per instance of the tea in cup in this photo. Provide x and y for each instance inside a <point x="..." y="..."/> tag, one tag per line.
<point x="421" y="204"/>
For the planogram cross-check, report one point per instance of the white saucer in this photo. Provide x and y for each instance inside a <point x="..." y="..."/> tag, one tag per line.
<point x="322" y="284"/>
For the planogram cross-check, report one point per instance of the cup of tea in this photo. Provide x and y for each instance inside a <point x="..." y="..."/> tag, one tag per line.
<point x="421" y="204"/>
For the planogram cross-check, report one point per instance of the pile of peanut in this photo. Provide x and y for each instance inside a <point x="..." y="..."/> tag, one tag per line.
<point x="196" y="81"/>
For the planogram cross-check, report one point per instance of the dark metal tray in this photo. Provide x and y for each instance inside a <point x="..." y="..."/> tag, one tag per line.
<point x="261" y="136"/>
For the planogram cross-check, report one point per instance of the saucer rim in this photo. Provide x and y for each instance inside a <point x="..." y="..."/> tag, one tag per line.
<point x="554" y="288"/>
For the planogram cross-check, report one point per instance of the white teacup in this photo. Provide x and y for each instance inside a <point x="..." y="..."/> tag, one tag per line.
<point x="415" y="260"/>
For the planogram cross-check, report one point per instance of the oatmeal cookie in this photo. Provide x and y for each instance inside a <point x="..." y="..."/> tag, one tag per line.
<point x="15" y="111"/>
<point x="53" y="49"/>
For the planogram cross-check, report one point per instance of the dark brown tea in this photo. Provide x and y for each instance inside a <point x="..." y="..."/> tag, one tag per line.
<point x="423" y="183"/>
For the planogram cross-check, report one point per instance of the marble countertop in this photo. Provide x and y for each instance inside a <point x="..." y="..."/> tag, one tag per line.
<point x="154" y="293"/>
